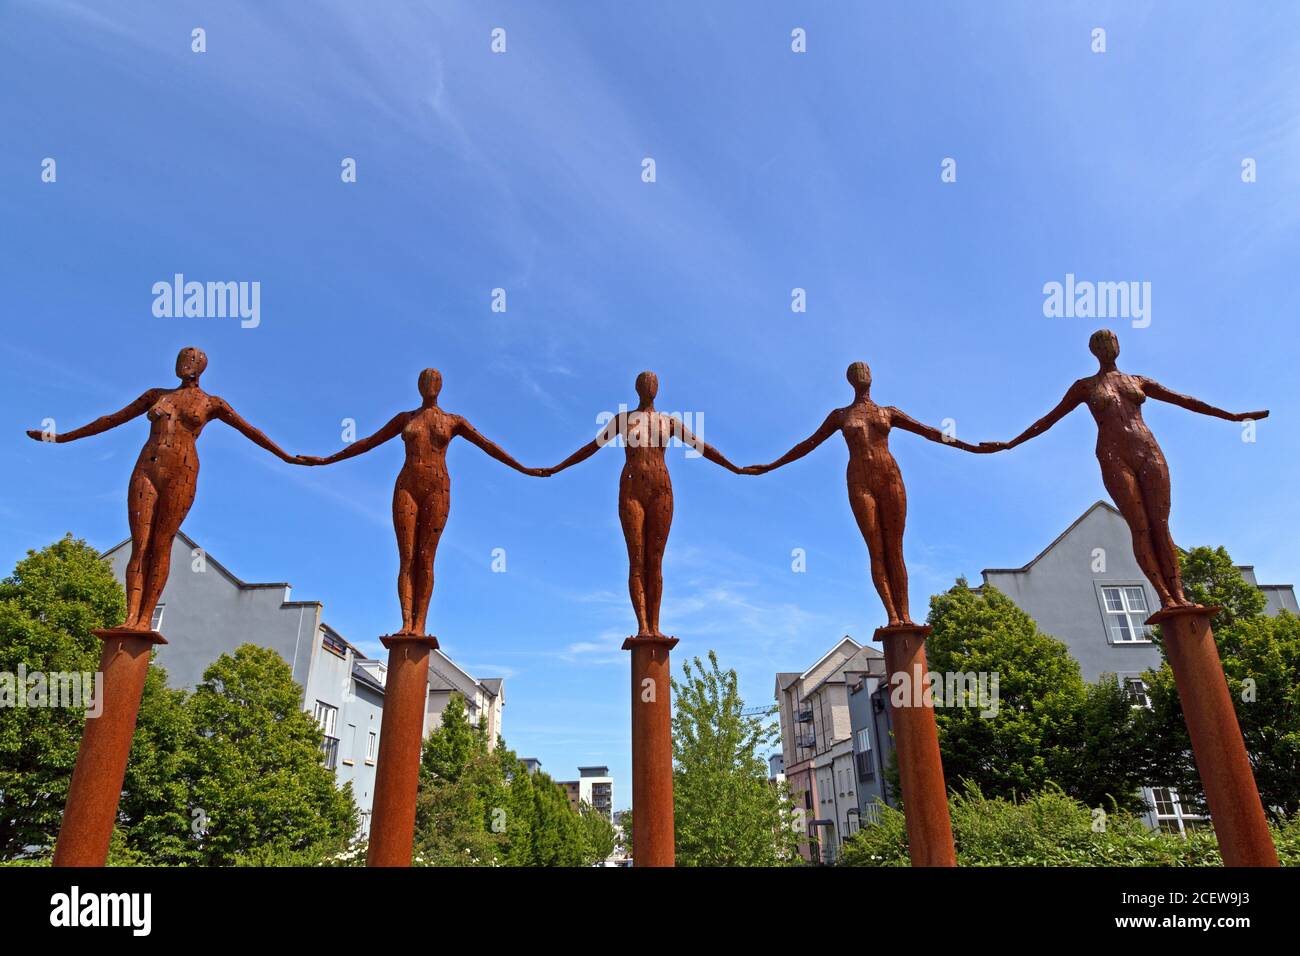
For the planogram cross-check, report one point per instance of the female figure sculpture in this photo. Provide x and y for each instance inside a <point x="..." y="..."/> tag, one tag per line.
<point x="645" y="493"/>
<point x="1133" y="468"/>
<point x="166" y="473"/>
<point x="422" y="493"/>
<point x="876" y="491"/>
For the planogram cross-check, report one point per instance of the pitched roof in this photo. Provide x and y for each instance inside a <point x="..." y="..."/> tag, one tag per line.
<point x="1058" y="539"/>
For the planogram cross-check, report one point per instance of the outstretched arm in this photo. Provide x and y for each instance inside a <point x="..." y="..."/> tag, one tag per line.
<point x="363" y="445"/>
<point x="823" y="432"/>
<point x="1154" y="389"/>
<point x="607" y="434"/>
<point x="105" y="422"/>
<point x="1066" y="405"/>
<point x="900" y="419"/>
<point x="469" y="432"/>
<point x="223" y="412"/>
<point x="678" y="430"/>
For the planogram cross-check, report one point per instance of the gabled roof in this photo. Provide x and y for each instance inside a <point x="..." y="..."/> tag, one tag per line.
<point x="844" y="640"/>
<point x="214" y="563"/>
<point x="1058" y="539"/>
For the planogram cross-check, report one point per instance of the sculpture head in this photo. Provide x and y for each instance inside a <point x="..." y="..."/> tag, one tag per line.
<point x="647" y="387"/>
<point x="190" y="363"/>
<point x="1105" y="345"/>
<point x="430" y="384"/>
<point x="859" y="376"/>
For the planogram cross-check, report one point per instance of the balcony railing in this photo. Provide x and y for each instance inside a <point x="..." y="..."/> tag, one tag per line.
<point x="805" y="716"/>
<point x="330" y="749"/>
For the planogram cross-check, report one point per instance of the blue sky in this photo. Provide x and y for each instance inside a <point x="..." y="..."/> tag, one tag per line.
<point x="522" y="171"/>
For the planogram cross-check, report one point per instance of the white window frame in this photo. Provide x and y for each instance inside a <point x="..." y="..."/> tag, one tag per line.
<point x="1178" y="817"/>
<point x="864" y="740"/>
<point x="327" y="716"/>
<point x="372" y="747"/>
<point x="1128" y="617"/>
<point x="1142" y="697"/>
<point x="155" y="619"/>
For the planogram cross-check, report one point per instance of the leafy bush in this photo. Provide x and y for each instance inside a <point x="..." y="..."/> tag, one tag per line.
<point x="1049" y="829"/>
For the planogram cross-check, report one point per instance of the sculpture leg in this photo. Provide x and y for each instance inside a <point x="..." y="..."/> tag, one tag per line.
<point x="632" y="516"/>
<point x="865" y="511"/>
<point x="1154" y="480"/>
<point x="428" y="532"/>
<point x="659" y="520"/>
<point x="142" y="498"/>
<point x="405" y="514"/>
<point x="892" y="509"/>
<point x="157" y="563"/>
<point x="1122" y="483"/>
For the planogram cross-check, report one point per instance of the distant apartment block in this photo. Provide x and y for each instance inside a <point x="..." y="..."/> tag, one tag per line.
<point x="206" y="611"/>
<point x="594" y="786"/>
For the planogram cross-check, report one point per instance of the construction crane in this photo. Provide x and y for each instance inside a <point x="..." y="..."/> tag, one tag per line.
<point x="767" y="711"/>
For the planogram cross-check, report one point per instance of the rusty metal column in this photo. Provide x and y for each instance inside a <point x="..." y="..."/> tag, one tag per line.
<point x="920" y="771"/>
<point x="96" y="787"/>
<point x="1221" y="759"/>
<point x="653" y="837"/>
<point x="401" y="735"/>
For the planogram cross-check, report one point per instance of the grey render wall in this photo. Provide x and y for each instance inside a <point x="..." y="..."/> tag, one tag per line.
<point x="863" y="715"/>
<point x="211" y="612"/>
<point x="1062" y="592"/>
<point x="363" y="710"/>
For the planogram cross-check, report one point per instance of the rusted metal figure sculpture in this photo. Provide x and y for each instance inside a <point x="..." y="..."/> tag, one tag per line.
<point x="879" y="502"/>
<point x="645" y="508"/>
<point x="422" y="494"/>
<point x="161" y="492"/>
<point x="421" y="501"/>
<point x="1135" y="473"/>
<point x="645" y="493"/>
<point x="876" y="492"/>
<point x="1133" y="468"/>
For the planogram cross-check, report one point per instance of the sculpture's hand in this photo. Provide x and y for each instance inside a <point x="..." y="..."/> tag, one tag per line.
<point x="987" y="447"/>
<point x="37" y="435"/>
<point x="1244" y="416"/>
<point x="307" y="460"/>
<point x="755" y="469"/>
<point x="539" y="472"/>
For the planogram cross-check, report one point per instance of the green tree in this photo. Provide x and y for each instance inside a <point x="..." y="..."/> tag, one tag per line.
<point x="257" y="777"/>
<point x="462" y="807"/>
<point x="599" y="838"/>
<point x="726" y="812"/>
<point x="1261" y="661"/>
<point x="1050" y="727"/>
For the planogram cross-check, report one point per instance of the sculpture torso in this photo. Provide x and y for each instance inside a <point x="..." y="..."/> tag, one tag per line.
<point x="865" y="426"/>
<point x="1115" y="401"/>
<point x="645" y="433"/>
<point x="176" y="418"/>
<point x="426" y="434"/>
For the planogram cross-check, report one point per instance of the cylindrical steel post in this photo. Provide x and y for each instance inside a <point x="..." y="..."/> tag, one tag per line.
<point x="653" y="838"/>
<point x="96" y="787"/>
<point x="920" y="770"/>
<point x="1221" y="760"/>
<point x="401" y="735"/>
